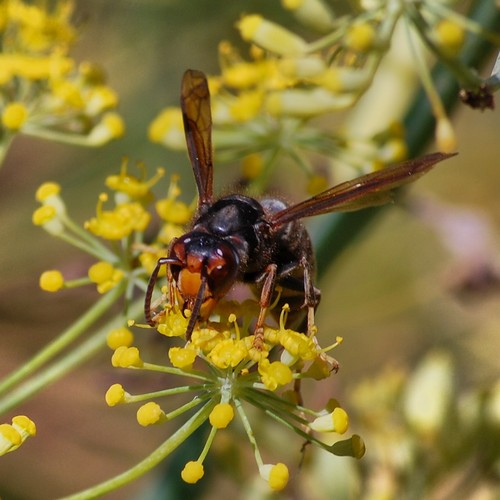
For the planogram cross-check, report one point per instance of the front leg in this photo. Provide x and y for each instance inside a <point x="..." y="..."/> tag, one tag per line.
<point x="266" y="294"/>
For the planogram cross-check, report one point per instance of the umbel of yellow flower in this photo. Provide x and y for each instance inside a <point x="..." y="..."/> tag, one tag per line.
<point x="60" y="100"/>
<point x="226" y="373"/>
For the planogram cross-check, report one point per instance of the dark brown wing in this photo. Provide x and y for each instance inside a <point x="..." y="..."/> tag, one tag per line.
<point x="195" y="105"/>
<point x="365" y="191"/>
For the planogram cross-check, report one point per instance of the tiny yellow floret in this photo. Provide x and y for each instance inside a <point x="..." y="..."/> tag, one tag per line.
<point x="150" y="414"/>
<point x="110" y="127"/>
<point x="115" y="395"/>
<point x="450" y="36"/>
<point x="127" y="357"/>
<point x="51" y="281"/>
<point x="25" y="426"/>
<point x="270" y="36"/>
<point x="119" y="337"/>
<point x="44" y="214"/>
<point x="336" y="421"/>
<point x="167" y="129"/>
<point x="360" y="37"/>
<point x="445" y="136"/>
<point x="228" y="352"/>
<point x="275" y="374"/>
<point x="14" y="116"/>
<point x="193" y="471"/>
<point x="46" y="190"/>
<point x="252" y="165"/>
<point x="10" y="439"/>
<point x="180" y="357"/>
<point x="100" y="272"/>
<point x="276" y="475"/>
<point x="221" y="416"/>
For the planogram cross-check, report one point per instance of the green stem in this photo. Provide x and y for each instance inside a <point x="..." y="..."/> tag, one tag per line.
<point x="66" y="337"/>
<point x="65" y="364"/>
<point x="4" y="146"/>
<point x="151" y="461"/>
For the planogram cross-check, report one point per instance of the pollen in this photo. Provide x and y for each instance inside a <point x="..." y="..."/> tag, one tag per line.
<point x="193" y="471"/>
<point x="119" y="337"/>
<point x="150" y="414"/>
<point x="181" y="357"/>
<point x="221" y="416"/>
<point x="14" y="116"/>
<point x="51" y="281"/>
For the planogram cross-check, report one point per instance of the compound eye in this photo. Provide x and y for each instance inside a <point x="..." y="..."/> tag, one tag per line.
<point x="222" y="269"/>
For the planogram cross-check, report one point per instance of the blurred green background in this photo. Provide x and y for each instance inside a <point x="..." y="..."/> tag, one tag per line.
<point x="389" y="294"/>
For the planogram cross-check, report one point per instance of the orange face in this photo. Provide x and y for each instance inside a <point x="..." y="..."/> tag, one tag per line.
<point x="188" y="286"/>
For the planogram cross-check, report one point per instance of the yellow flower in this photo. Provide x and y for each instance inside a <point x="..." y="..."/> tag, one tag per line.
<point x="126" y="357"/>
<point x="120" y="222"/>
<point x="150" y="414"/>
<point x="119" y="337"/>
<point x="192" y="472"/>
<point x="105" y="276"/>
<point x="132" y="186"/>
<point x="181" y="357"/>
<point x="167" y="129"/>
<point x="274" y="374"/>
<point x="115" y="395"/>
<point x="14" y="116"/>
<point x="336" y="421"/>
<point x="221" y="416"/>
<point x="270" y="36"/>
<point x="228" y="352"/>
<point x="51" y="281"/>
<point x="276" y="475"/>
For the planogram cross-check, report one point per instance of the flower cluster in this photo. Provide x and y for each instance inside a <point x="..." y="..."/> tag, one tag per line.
<point x="263" y="104"/>
<point x="12" y="436"/>
<point x="43" y="92"/>
<point x="125" y="260"/>
<point x="227" y="373"/>
<point x="227" y="367"/>
<point x="418" y="422"/>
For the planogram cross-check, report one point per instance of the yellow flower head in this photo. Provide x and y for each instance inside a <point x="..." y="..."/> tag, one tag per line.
<point x="51" y="281"/>
<point x="133" y="187"/>
<point x="150" y="414"/>
<point x="222" y="415"/>
<point x="105" y="276"/>
<point x="120" y="222"/>
<point x="192" y="472"/>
